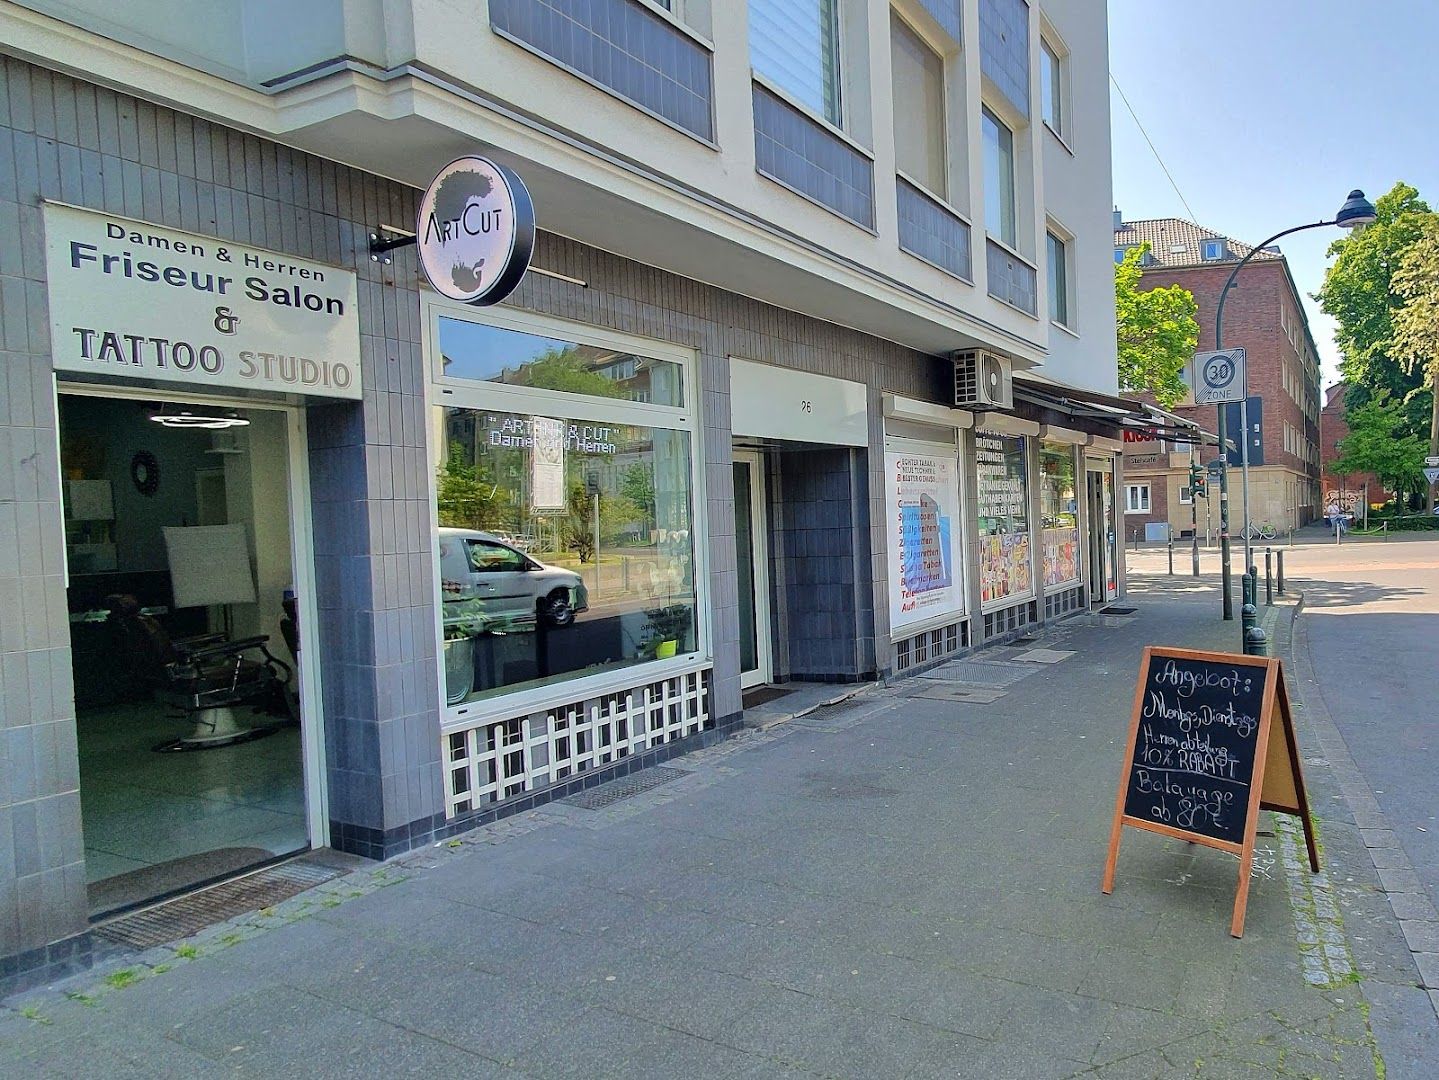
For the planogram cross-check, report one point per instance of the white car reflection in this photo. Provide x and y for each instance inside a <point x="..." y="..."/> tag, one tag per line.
<point x="513" y="589"/>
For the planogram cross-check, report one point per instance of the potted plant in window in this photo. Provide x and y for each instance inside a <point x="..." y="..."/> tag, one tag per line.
<point x="667" y="627"/>
<point x="464" y="620"/>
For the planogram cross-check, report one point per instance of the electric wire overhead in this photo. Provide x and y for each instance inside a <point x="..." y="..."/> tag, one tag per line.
<point x="1152" y="148"/>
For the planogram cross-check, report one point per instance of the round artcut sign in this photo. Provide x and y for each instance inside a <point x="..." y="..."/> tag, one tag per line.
<point x="475" y="231"/>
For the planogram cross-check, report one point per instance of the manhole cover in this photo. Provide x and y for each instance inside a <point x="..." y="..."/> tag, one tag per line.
<point x="980" y="672"/>
<point x="972" y="695"/>
<point x="602" y="795"/>
<point x="189" y="914"/>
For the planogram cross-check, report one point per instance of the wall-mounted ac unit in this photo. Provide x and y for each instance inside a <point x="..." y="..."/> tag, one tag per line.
<point x="982" y="380"/>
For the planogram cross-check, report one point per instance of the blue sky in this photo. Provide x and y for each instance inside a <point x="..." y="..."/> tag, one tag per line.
<point x="1267" y="112"/>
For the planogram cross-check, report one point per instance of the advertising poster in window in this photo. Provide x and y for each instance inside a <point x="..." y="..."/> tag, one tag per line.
<point x="1059" y="506"/>
<point x="547" y="465"/>
<point x="1005" y="560"/>
<point x="925" y="582"/>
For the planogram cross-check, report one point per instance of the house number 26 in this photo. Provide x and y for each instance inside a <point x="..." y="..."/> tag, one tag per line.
<point x="806" y="406"/>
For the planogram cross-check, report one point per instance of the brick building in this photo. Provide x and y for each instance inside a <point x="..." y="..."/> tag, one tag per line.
<point x="1264" y="314"/>
<point x="1347" y="489"/>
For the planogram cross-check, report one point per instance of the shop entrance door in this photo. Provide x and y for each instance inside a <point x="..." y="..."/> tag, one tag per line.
<point x="1103" y="549"/>
<point x="751" y="557"/>
<point x="182" y="577"/>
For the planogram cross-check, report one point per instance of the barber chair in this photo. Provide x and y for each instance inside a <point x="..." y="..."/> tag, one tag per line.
<point x="204" y="678"/>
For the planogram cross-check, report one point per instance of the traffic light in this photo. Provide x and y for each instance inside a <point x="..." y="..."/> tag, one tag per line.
<point x="1197" y="481"/>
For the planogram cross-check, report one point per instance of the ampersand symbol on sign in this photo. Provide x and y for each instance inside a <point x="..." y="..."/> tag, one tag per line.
<point x="226" y="320"/>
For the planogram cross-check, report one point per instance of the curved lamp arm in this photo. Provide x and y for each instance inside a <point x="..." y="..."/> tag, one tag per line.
<point x="1229" y="283"/>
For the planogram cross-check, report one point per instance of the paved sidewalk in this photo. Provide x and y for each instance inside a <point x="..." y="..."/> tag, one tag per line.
<point x="898" y="886"/>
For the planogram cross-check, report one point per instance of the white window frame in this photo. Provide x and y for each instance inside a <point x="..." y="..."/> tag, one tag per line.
<point x="1051" y="47"/>
<point x="1065" y="239"/>
<point x="1186" y="496"/>
<point x="1011" y="241"/>
<point x="1130" y="490"/>
<point x="443" y="390"/>
<point x="945" y="195"/>
<point x="1205" y="249"/>
<point x="840" y="120"/>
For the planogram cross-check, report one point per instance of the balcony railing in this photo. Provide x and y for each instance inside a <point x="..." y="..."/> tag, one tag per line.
<point x="932" y="231"/>
<point x="622" y="47"/>
<point x="1011" y="279"/>
<point x="809" y="158"/>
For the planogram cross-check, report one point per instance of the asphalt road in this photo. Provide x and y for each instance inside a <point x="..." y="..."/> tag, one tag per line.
<point x="1373" y="632"/>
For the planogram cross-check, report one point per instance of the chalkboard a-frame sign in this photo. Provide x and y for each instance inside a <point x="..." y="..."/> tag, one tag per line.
<point x="1211" y="743"/>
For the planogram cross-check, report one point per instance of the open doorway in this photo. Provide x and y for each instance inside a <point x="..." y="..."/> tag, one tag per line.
<point x="184" y="641"/>
<point x="1103" y="546"/>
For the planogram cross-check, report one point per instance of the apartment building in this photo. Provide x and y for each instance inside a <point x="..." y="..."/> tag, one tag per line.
<point x="1265" y="315"/>
<point x="809" y="376"/>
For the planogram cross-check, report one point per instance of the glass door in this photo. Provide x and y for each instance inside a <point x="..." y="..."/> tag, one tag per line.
<point x="752" y="564"/>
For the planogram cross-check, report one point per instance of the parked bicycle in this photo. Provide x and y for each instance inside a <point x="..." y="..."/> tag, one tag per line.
<point x="1259" y="530"/>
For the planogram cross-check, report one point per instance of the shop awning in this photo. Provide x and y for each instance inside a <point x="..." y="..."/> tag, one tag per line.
<point x="1120" y="412"/>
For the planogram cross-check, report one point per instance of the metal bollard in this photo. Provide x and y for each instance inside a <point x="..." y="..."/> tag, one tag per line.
<point x="1248" y="618"/>
<point x="1171" y="558"/>
<point x="1256" y="642"/>
<point x="1268" y="577"/>
<point x="1281" y="572"/>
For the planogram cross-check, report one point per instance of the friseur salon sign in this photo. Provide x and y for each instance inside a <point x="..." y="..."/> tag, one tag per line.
<point x="137" y="301"/>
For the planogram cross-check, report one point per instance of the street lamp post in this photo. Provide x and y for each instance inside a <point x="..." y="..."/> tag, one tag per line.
<point x="1356" y="213"/>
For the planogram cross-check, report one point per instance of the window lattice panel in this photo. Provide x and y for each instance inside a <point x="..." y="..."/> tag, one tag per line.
<point x="501" y="759"/>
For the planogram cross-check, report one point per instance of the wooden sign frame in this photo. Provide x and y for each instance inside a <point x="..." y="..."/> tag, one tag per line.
<point x="1276" y="783"/>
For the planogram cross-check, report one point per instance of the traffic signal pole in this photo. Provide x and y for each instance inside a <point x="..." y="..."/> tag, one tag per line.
<point x="1194" y="516"/>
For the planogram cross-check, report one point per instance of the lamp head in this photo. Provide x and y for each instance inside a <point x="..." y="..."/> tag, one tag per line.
<point x="1356" y="213"/>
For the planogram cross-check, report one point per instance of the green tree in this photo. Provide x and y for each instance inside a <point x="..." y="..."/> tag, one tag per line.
<point x="1157" y="331"/>
<point x="617" y="513"/>
<point x="1416" y="323"/>
<point x="1381" y="442"/>
<point x="1359" y="293"/>
<point x="467" y="496"/>
<point x="638" y="486"/>
<point x="568" y="370"/>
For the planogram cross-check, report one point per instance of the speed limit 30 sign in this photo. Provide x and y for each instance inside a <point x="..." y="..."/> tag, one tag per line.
<point x="1220" y="377"/>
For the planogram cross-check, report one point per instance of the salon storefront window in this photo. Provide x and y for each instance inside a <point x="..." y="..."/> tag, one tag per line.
<point x="1006" y="568"/>
<point x="1059" y="508"/>
<point x="564" y="494"/>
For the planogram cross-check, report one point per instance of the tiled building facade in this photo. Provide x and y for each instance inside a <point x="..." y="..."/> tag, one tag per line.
<point x="415" y="723"/>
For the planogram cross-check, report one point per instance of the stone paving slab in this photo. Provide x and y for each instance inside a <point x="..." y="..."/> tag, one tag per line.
<point x="892" y="886"/>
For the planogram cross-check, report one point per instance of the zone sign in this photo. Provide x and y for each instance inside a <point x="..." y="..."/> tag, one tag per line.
<point x="1220" y="377"/>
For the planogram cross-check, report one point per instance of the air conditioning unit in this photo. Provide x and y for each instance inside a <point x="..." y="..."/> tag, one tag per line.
<point x="982" y="380"/>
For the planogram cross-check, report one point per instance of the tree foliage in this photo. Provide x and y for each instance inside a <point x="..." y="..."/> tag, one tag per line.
<point x="1157" y="331"/>
<point x="1359" y="293"/>
<point x="1381" y="442"/>
<point x="467" y="496"/>
<point x="1416" y="323"/>
<point x="569" y="370"/>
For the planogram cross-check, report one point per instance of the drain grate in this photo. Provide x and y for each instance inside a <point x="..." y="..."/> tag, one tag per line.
<point x="993" y="673"/>
<point x="1113" y="609"/>
<point x="602" y="795"/>
<point x="189" y="914"/>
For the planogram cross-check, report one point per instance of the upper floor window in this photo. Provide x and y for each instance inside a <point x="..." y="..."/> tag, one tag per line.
<point x="999" y="196"/>
<point x="1214" y="249"/>
<point x="795" y="45"/>
<point x="919" y="114"/>
<point x="1051" y="88"/>
<point x="1058" y="252"/>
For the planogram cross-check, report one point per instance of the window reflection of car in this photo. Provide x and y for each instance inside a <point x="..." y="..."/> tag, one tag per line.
<point x="514" y="589"/>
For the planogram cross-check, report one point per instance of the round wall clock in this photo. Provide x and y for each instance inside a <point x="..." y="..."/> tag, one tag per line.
<point x="145" y="472"/>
